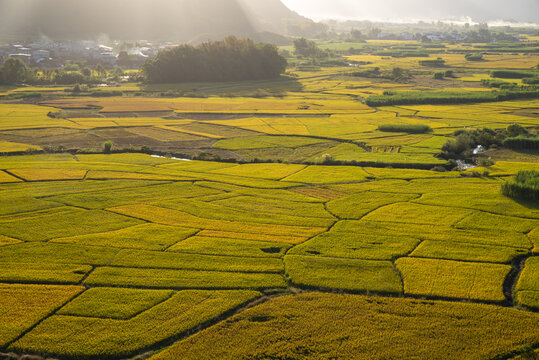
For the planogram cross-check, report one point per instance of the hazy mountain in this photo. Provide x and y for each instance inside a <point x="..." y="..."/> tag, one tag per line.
<point x="175" y="20"/>
<point x="478" y="10"/>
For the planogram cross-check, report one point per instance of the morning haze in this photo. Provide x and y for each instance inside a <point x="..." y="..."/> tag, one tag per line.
<point x="269" y="180"/>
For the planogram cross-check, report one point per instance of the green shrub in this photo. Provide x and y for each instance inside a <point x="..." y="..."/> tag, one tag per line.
<point x="433" y="63"/>
<point x="531" y="80"/>
<point x="494" y="83"/>
<point x="438" y="76"/>
<point x="514" y="130"/>
<point x="106" y="93"/>
<point x="525" y="185"/>
<point x="449" y="97"/>
<point x="474" y="57"/>
<point x="406" y="128"/>
<point x="522" y="142"/>
<point x="107" y="147"/>
<point x="513" y="74"/>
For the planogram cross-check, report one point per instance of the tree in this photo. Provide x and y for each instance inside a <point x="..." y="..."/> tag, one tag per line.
<point x="86" y="72"/>
<point x="107" y="147"/>
<point x="438" y="76"/>
<point x="101" y="70"/>
<point x="356" y="35"/>
<point x="231" y="59"/>
<point x="374" y="32"/>
<point x="307" y="48"/>
<point x="13" y="71"/>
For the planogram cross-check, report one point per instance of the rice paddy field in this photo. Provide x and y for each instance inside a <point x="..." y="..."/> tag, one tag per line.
<point x="266" y="250"/>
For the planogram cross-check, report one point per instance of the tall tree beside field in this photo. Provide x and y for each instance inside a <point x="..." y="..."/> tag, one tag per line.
<point x="13" y="71"/>
<point x="232" y="59"/>
<point x="307" y="48"/>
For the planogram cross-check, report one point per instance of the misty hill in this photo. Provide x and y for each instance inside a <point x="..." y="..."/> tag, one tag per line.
<point x="174" y="20"/>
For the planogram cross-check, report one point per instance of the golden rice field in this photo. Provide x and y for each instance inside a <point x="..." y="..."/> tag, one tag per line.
<point x="159" y="247"/>
<point x="265" y="250"/>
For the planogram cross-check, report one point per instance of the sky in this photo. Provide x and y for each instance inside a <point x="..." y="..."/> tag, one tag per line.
<point x="478" y="10"/>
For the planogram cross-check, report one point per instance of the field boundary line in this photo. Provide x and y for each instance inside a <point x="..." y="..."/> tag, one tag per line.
<point x="52" y="313"/>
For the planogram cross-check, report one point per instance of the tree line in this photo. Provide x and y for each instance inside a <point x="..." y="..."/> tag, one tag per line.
<point x="231" y="59"/>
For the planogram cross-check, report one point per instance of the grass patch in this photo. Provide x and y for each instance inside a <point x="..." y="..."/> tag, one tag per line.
<point x="405" y="128"/>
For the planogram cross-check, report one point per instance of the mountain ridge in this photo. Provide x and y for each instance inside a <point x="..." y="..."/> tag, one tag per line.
<point x="169" y="20"/>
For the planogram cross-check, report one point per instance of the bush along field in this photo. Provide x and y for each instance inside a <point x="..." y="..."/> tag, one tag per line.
<point x="382" y="210"/>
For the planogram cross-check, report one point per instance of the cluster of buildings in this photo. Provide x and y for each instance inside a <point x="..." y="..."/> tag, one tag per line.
<point x="450" y="36"/>
<point x="49" y="53"/>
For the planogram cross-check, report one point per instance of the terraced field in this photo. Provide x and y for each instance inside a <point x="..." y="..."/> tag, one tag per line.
<point x="277" y="252"/>
<point x="199" y="240"/>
